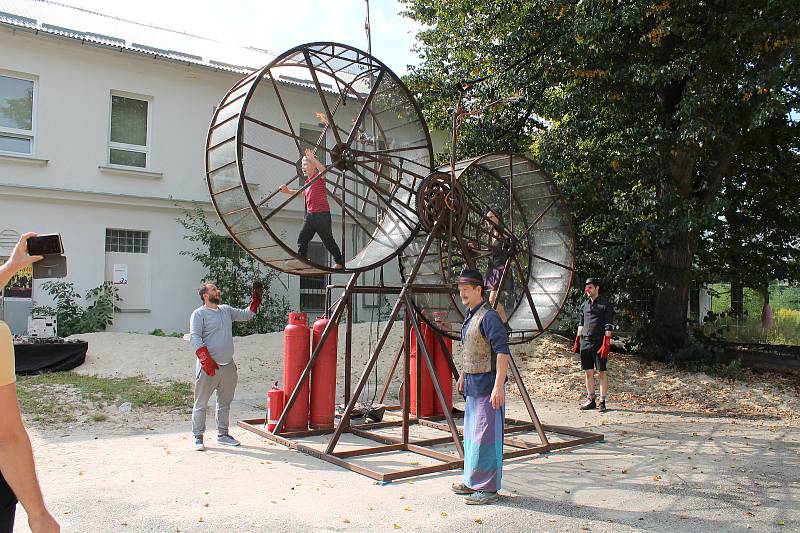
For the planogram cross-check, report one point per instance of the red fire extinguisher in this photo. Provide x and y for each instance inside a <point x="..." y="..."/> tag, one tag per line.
<point x="296" y="347"/>
<point x="323" y="377"/>
<point x="274" y="406"/>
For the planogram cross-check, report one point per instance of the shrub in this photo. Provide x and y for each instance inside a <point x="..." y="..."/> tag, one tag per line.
<point x="73" y="317"/>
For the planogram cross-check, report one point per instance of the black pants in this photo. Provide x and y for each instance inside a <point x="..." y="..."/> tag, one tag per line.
<point x="8" y="506"/>
<point x="319" y="224"/>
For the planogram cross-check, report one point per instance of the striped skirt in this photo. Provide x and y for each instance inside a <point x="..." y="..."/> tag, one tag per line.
<point x="483" y="444"/>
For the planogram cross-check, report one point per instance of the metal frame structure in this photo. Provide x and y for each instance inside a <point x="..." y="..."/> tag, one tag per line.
<point x="404" y="420"/>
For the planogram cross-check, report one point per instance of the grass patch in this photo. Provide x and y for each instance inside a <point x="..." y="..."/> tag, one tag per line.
<point x="63" y="396"/>
<point x="158" y="332"/>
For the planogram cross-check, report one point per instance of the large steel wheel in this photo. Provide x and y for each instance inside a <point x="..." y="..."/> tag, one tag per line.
<point x="535" y="232"/>
<point x="363" y="125"/>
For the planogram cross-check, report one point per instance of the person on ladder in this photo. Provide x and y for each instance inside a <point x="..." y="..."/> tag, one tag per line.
<point x="482" y="382"/>
<point x="318" y="211"/>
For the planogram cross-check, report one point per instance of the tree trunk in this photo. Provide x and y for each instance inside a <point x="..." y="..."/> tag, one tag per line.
<point x="673" y="271"/>
<point x="766" y="311"/>
<point x="737" y="299"/>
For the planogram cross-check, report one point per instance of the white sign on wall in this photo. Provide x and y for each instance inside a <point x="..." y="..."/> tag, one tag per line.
<point x="120" y="274"/>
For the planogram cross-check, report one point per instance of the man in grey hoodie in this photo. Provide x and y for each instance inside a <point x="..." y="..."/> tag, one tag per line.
<point x="211" y="332"/>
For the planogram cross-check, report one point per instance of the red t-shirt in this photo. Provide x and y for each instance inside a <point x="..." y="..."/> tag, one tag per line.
<point x="317" y="196"/>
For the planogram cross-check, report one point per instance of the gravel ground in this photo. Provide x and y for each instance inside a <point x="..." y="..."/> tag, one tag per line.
<point x="662" y="467"/>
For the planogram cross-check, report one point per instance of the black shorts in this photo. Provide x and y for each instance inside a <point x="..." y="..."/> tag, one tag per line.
<point x="8" y="506"/>
<point x="589" y="357"/>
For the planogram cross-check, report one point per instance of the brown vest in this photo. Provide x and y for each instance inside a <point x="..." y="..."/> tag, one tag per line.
<point x="476" y="349"/>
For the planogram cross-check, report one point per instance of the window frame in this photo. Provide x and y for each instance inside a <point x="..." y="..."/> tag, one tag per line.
<point x="146" y="150"/>
<point x="145" y="235"/>
<point x="16" y="132"/>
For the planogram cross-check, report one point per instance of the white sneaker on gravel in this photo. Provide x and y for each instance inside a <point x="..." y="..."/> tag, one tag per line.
<point x="227" y="440"/>
<point x="198" y="444"/>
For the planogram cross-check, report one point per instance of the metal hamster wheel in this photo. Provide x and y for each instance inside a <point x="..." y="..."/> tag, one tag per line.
<point x="532" y="241"/>
<point x="368" y="132"/>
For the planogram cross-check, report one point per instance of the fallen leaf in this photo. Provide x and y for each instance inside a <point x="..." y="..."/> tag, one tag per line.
<point x="407" y="509"/>
<point x="397" y="526"/>
<point x="780" y="523"/>
<point x="346" y="521"/>
<point x="656" y="477"/>
<point x="443" y="514"/>
<point x="624" y="470"/>
<point x="748" y="513"/>
<point x="478" y="520"/>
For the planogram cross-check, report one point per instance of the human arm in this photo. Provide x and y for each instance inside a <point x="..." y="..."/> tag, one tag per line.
<point x="17" y="464"/>
<point x="605" y="349"/>
<point x="285" y="189"/>
<point x="200" y="349"/>
<point x="498" y="397"/>
<point x="312" y="159"/>
<point x="495" y="333"/>
<point x="576" y="346"/>
<point x="19" y="259"/>
<point x="240" y="315"/>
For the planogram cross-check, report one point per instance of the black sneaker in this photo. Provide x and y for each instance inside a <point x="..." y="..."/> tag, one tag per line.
<point x="589" y="405"/>
<point x="603" y="407"/>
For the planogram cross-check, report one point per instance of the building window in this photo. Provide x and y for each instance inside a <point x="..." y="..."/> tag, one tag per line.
<point x="129" y="137"/>
<point x="16" y="115"/>
<point x="310" y="136"/>
<point x="312" y="288"/>
<point x="225" y="247"/>
<point x="127" y="241"/>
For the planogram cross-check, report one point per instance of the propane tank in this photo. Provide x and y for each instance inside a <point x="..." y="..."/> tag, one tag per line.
<point x="274" y="406"/>
<point x="323" y="376"/>
<point x="425" y="386"/>
<point x="296" y="345"/>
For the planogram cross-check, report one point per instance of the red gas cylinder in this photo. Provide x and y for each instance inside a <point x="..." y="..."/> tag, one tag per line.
<point x="443" y="372"/>
<point x="323" y="376"/>
<point x="296" y="346"/>
<point x="274" y="406"/>
<point x="425" y="385"/>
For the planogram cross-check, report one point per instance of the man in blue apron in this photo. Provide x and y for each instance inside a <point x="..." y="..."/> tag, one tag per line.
<point x="482" y="382"/>
<point x="593" y="342"/>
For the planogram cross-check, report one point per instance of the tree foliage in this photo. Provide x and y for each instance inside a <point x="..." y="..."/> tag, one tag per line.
<point x="233" y="271"/>
<point x="657" y="119"/>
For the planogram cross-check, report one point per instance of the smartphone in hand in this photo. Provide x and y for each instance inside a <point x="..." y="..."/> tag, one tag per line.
<point x="47" y="244"/>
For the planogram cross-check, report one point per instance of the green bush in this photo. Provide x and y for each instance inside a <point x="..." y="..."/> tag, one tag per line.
<point x="233" y="271"/>
<point x="73" y="317"/>
<point x="158" y="332"/>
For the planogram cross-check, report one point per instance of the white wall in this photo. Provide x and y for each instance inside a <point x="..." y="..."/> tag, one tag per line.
<point x="62" y="189"/>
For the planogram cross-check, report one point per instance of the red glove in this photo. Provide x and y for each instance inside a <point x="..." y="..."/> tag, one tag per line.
<point x="206" y="361"/>
<point x="258" y="293"/>
<point x="576" y="346"/>
<point x="605" y="348"/>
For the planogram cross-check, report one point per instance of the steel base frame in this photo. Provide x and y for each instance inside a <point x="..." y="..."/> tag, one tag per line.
<point x="402" y="415"/>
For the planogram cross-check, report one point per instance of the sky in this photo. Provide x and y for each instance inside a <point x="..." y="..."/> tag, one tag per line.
<point x="278" y="25"/>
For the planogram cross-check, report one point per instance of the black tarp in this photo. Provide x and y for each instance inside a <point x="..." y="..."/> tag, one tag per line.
<point x="49" y="357"/>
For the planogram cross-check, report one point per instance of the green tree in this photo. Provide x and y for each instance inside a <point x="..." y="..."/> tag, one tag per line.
<point x="639" y="108"/>
<point x="233" y="271"/>
<point x="71" y="316"/>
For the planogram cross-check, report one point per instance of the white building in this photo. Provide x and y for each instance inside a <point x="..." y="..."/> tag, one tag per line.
<point x="103" y="125"/>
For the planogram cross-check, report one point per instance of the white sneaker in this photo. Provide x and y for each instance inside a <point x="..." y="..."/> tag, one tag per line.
<point x="227" y="440"/>
<point x="198" y="444"/>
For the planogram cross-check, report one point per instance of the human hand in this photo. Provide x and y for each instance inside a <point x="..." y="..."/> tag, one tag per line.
<point x="460" y="384"/>
<point x="285" y="189"/>
<point x="20" y="257"/>
<point x="43" y="523"/>
<point x="309" y="153"/>
<point x="605" y="349"/>
<point x="498" y="397"/>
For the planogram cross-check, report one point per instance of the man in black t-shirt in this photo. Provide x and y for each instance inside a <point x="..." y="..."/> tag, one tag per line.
<point x="593" y="341"/>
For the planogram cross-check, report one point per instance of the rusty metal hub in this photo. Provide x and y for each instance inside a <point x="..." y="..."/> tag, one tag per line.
<point x="438" y="197"/>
